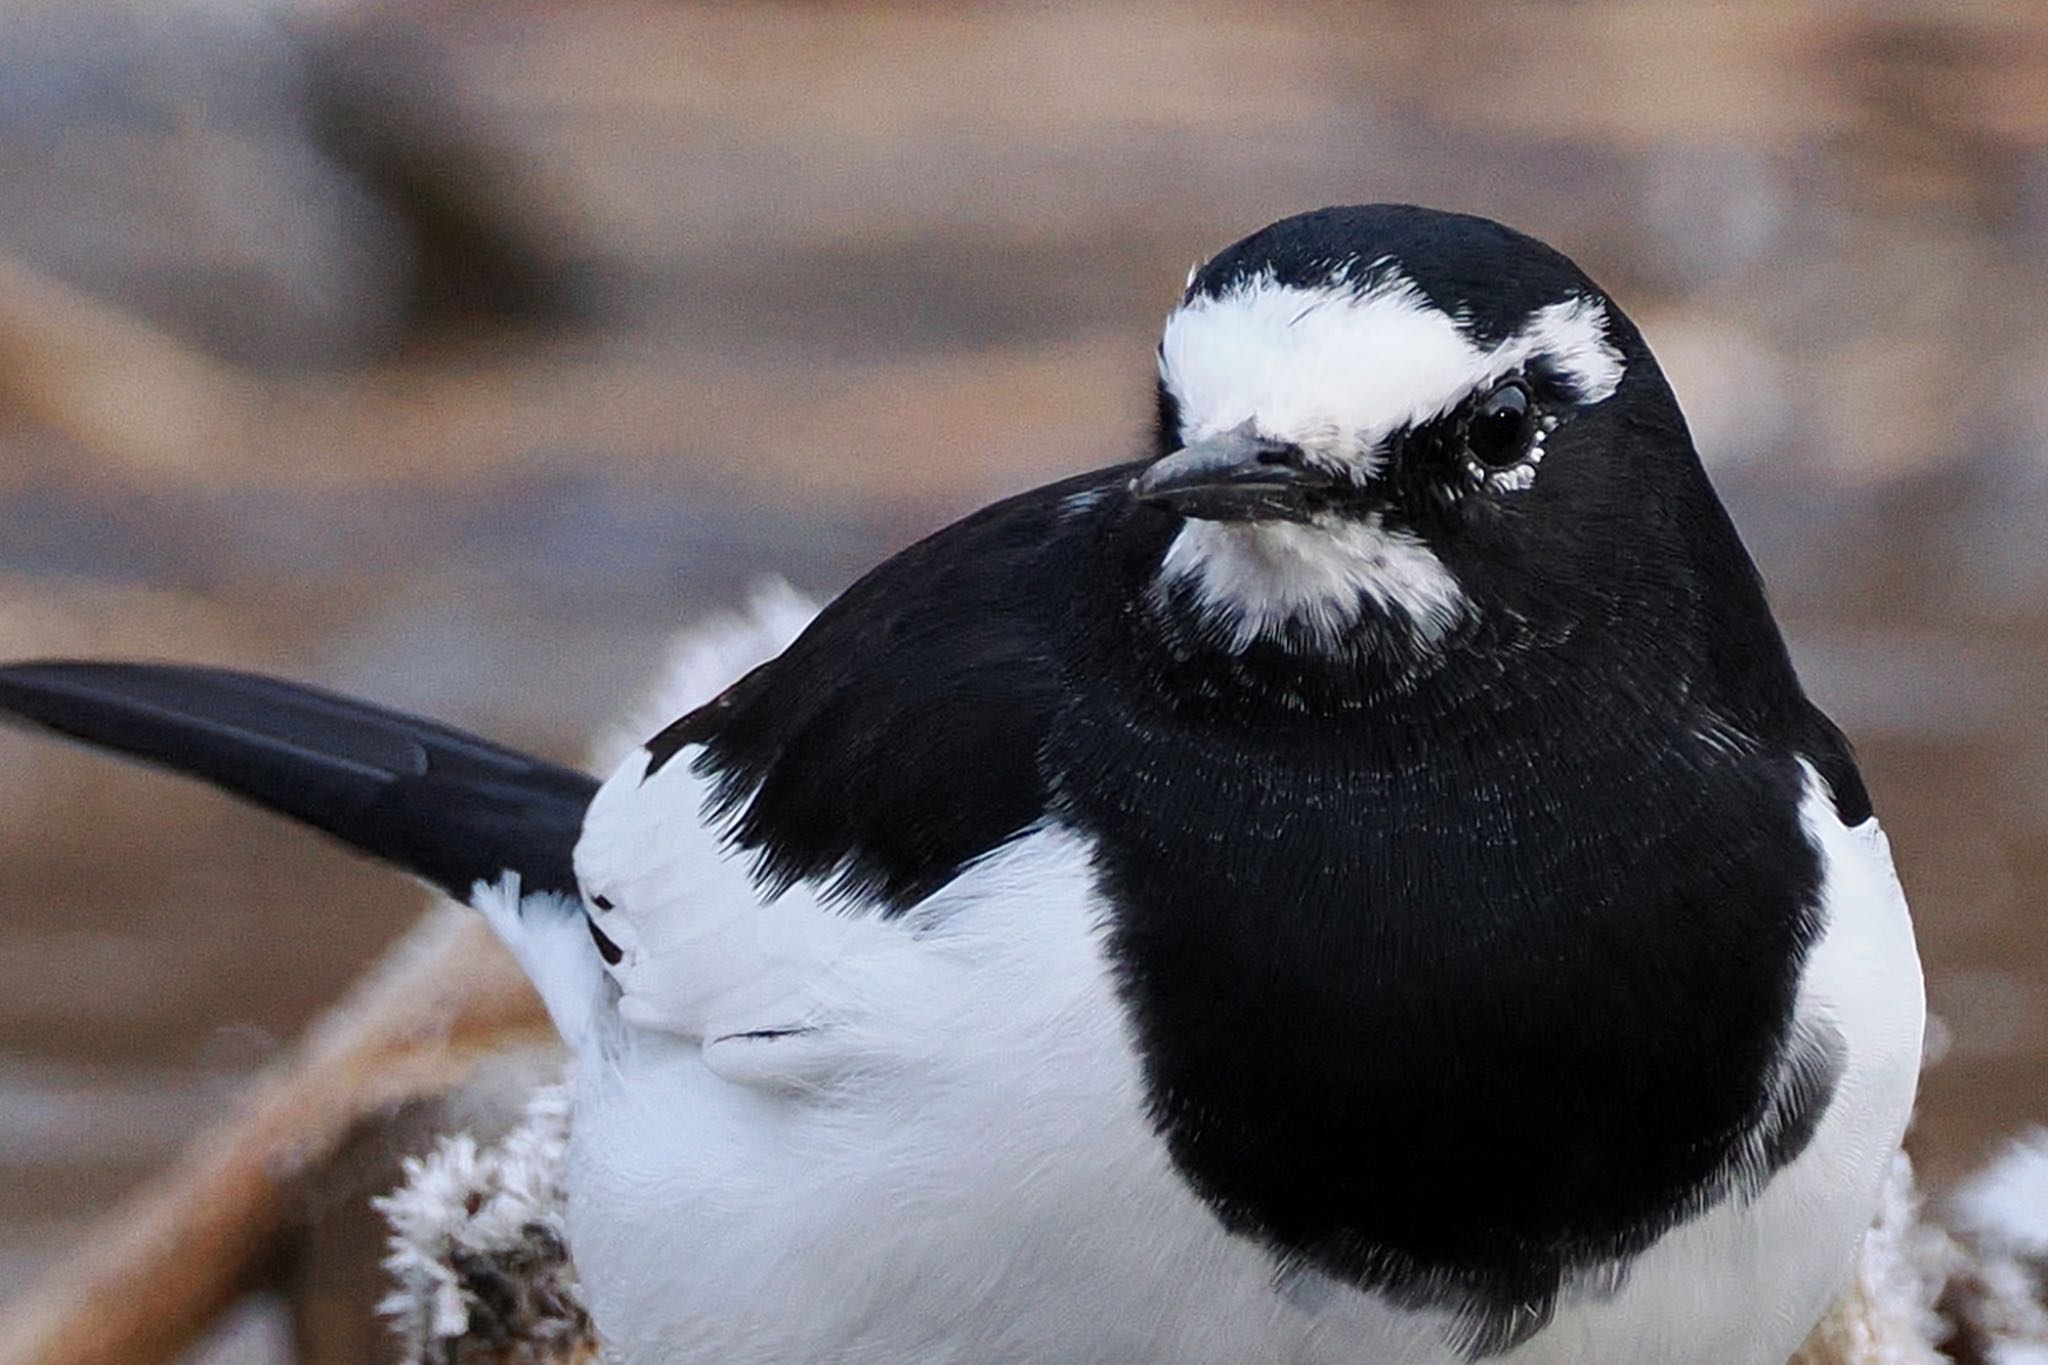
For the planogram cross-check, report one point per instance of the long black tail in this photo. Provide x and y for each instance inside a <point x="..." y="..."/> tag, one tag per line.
<point x="441" y="804"/>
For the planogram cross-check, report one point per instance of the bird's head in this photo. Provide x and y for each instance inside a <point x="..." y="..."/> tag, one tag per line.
<point x="1392" y="424"/>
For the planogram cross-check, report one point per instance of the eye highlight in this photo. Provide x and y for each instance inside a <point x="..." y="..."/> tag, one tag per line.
<point x="1499" y="430"/>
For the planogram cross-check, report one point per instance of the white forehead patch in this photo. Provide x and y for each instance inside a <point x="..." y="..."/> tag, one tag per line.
<point x="1339" y="367"/>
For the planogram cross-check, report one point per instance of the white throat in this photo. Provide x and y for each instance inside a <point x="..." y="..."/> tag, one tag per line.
<point x="1252" y="579"/>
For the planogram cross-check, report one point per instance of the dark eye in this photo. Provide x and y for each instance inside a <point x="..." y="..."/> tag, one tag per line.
<point x="1498" y="433"/>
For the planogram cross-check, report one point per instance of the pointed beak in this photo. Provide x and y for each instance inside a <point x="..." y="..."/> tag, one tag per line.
<point x="1234" y="476"/>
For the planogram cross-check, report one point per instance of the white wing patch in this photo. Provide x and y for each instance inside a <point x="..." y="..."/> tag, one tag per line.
<point x="764" y="989"/>
<point x="771" y="990"/>
<point x="785" y="993"/>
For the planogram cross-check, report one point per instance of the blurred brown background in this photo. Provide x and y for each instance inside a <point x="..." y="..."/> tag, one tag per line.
<point x="455" y="354"/>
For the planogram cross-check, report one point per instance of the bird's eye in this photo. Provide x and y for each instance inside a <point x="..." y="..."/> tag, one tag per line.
<point x="1498" y="433"/>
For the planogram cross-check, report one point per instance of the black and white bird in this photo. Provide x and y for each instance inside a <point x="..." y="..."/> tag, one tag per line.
<point x="1362" y="883"/>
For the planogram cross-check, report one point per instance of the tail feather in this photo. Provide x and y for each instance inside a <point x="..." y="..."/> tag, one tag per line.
<point x="441" y="804"/>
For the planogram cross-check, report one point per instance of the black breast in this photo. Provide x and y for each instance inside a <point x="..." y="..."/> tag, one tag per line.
<point x="1450" y="1008"/>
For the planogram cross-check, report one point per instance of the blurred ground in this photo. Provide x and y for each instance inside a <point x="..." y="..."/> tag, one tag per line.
<point x="473" y="348"/>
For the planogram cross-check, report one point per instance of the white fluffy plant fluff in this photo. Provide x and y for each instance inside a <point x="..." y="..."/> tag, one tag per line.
<point x="1886" y="1314"/>
<point x="2002" y="1214"/>
<point x="477" y="1256"/>
<point x="481" y="1271"/>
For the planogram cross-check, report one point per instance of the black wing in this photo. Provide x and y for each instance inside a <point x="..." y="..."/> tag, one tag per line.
<point x="900" y="737"/>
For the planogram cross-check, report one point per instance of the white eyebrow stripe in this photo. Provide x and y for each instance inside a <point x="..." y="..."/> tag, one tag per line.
<point x="1572" y="335"/>
<point x="1339" y="364"/>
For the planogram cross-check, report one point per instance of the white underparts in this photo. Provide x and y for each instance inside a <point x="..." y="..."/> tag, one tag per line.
<point x="1255" y="577"/>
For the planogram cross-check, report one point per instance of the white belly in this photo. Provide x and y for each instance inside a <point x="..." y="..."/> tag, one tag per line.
<point x="964" y="1173"/>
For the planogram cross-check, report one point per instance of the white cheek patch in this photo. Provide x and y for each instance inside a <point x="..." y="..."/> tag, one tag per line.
<point x="1338" y="368"/>
<point x="1254" y="578"/>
